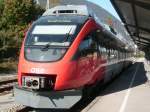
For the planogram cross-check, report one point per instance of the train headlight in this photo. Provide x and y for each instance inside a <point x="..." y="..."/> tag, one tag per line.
<point x="35" y="83"/>
<point x="28" y="84"/>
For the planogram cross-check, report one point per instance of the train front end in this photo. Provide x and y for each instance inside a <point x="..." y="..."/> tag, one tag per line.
<point x="46" y="69"/>
<point x="49" y="73"/>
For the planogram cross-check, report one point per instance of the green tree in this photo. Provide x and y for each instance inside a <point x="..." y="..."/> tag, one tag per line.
<point x="1" y="5"/>
<point x="16" y="15"/>
<point x="19" y="12"/>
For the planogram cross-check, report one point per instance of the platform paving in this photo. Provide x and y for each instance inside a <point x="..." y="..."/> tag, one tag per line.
<point x="128" y="93"/>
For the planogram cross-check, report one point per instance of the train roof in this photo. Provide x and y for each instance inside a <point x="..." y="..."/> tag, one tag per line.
<point x="69" y="10"/>
<point x="79" y="14"/>
<point x="71" y="14"/>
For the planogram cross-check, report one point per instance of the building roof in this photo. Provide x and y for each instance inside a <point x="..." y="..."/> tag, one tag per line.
<point x="135" y="15"/>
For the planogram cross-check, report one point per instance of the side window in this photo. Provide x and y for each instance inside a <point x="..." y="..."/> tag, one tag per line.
<point x="102" y="49"/>
<point x="88" y="46"/>
<point x="85" y="43"/>
<point x="93" y="44"/>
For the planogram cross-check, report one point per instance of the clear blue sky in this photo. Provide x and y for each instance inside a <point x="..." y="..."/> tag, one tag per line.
<point x="106" y="4"/>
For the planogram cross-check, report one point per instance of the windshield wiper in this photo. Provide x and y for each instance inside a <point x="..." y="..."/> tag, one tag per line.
<point x="45" y="47"/>
<point x="67" y="35"/>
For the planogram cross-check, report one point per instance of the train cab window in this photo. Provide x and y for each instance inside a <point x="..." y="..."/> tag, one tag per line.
<point x="54" y="35"/>
<point x="46" y="43"/>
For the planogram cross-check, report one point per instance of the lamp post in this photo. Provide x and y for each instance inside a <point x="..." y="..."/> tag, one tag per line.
<point x="48" y="4"/>
<point x="37" y="1"/>
<point x="52" y="3"/>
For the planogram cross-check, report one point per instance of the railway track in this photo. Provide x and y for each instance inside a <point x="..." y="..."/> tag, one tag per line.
<point x="7" y="85"/>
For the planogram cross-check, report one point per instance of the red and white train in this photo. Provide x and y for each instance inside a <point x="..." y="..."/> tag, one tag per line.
<point x="63" y="52"/>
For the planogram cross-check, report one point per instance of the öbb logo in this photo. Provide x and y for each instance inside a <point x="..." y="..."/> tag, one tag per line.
<point x="37" y="70"/>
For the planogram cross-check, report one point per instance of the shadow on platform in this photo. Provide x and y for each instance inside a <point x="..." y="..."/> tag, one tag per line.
<point x="124" y="80"/>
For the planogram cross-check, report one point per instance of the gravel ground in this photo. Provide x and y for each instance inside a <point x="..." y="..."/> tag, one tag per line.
<point x="7" y="104"/>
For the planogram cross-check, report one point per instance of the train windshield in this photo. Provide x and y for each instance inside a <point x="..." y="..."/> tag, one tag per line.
<point x="46" y="43"/>
<point x="54" y="35"/>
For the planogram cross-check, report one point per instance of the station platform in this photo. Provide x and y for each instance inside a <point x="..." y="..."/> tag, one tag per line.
<point x="128" y="93"/>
